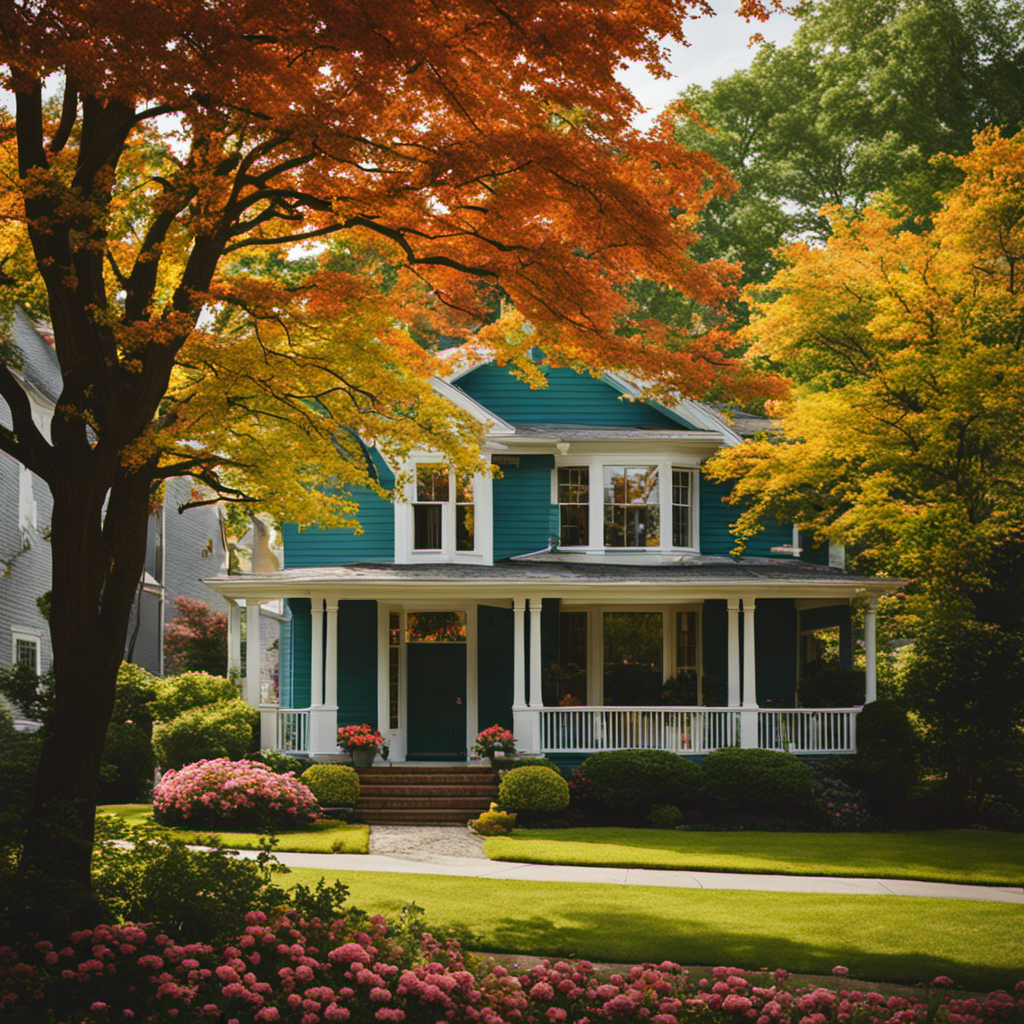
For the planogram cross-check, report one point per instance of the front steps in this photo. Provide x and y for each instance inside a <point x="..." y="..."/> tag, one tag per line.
<point x="424" y="794"/>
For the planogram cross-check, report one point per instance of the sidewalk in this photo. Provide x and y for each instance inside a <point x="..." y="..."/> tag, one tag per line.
<point x="470" y="867"/>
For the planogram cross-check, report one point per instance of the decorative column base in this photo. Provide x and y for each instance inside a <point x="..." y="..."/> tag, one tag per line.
<point x="323" y="733"/>
<point x="268" y="727"/>
<point x="526" y="729"/>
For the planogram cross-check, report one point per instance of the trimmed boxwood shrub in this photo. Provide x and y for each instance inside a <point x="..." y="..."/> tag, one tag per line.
<point x="665" y="816"/>
<point x="334" y="785"/>
<point x="757" y="779"/>
<point x="127" y="766"/>
<point x="627" y="784"/>
<point x="235" y="793"/>
<point x="133" y="698"/>
<point x="530" y="762"/>
<point x="220" y="730"/>
<point x="178" y="694"/>
<point x="887" y="755"/>
<point x="533" y="788"/>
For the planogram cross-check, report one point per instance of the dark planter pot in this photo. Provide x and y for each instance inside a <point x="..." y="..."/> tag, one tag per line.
<point x="363" y="757"/>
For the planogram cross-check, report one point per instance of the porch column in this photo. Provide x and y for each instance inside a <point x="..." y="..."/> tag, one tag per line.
<point x="234" y="638"/>
<point x="253" y="650"/>
<point x="518" y="654"/>
<point x="316" y="651"/>
<point x="748" y="716"/>
<point x="331" y="660"/>
<point x="870" y="651"/>
<point x="536" y="698"/>
<point x="734" y="653"/>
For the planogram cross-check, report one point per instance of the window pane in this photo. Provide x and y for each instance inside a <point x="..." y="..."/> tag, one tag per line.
<point x="26" y="652"/>
<point x="574" y="506"/>
<point x="631" y="506"/>
<point x="436" y="627"/>
<point x="681" y="536"/>
<point x="426" y="527"/>
<point x="431" y="482"/>
<point x="464" y="527"/>
<point x="565" y="681"/>
<point x="633" y="658"/>
<point x="464" y="489"/>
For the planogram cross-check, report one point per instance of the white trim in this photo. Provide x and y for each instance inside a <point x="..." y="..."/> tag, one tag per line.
<point x="665" y="464"/>
<point x="483" y="519"/>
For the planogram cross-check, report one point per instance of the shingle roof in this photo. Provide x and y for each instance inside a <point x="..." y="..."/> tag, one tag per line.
<point x="562" y="432"/>
<point x="40" y="366"/>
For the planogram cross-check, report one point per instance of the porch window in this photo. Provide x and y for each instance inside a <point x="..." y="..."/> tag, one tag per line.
<point x="394" y="653"/>
<point x="565" y="681"/>
<point x="631" y="506"/>
<point x="574" y="506"/>
<point x="681" y="506"/>
<point x="633" y="658"/>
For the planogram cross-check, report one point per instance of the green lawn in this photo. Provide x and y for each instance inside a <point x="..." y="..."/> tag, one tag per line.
<point x="323" y="837"/>
<point x="885" y="938"/>
<point x="969" y="856"/>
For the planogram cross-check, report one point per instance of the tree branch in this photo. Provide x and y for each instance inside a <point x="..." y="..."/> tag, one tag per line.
<point x="24" y="442"/>
<point x="68" y="115"/>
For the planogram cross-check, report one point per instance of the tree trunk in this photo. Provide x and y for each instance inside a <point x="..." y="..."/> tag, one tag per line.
<point x="99" y="549"/>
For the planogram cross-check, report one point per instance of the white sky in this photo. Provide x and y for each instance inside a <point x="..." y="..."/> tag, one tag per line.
<point x="718" y="47"/>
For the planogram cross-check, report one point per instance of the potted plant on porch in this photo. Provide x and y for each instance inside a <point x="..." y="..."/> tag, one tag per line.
<point x="363" y="742"/>
<point x="495" y="742"/>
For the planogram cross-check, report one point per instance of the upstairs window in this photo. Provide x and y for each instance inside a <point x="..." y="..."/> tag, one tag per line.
<point x="574" y="506"/>
<point x="632" y="507"/>
<point x="681" y="504"/>
<point x="444" y="506"/>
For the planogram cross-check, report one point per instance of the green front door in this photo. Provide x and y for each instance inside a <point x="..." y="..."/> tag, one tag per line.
<point x="436" y="701"/>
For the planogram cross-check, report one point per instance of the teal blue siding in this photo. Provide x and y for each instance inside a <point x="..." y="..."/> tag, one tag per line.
<point x="317" y="547"/>
<point x="522" y="506"/>
<point x="300" y="641"/>
<point x="357" y="663"/>
<point x="775" y="640"/>
<point x="716" y="517"/>
<point x="571" y="398"/>
<point x="494" y="667"/>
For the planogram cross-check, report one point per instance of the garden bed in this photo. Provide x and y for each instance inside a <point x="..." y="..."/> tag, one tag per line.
<point x="325" y="836"/>
<point x="965" y="856"/>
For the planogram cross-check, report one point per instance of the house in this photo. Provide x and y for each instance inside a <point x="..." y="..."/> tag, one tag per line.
<point x="181" y="548"/>
<point x="583" y="595"/>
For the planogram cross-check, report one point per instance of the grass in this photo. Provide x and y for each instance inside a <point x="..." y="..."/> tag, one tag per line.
<point x="886" y="938"/>
<point x="968" y="856"/>
<point x="323" y="837"/>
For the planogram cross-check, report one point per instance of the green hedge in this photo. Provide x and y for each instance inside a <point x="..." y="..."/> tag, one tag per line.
<point x="534" y="788"/>
<point x="757" y="779"/>
<point x="220" y="730"/>
<point x="627" y="784"/>
<point x="127" y="766"/>
<point x="178" y="694"/>
<point x="333" y="785"/>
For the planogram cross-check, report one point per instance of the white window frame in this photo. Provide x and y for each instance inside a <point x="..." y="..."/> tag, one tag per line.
<point x="665" y="464"/>
<point x="405" y="535"/>
<point x="31" y="636"/>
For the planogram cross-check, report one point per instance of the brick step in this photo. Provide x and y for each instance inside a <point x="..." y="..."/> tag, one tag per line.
<point x="441" y="803"/>
<point x="416" y="817"/>
<point x="470" y="789"/>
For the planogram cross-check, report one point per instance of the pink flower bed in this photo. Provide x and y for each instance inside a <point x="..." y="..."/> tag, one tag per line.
<point x="238" y="793"/>
<point x="301" y="972"/>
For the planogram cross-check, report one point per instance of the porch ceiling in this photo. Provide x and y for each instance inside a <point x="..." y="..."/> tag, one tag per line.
<point x="693" y="580"/>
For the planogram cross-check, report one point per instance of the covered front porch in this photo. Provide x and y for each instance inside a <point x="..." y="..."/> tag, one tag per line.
<point x="573" y="657"/>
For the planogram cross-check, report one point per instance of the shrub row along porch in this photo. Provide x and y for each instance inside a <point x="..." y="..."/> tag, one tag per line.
<point x="573" y="657"/>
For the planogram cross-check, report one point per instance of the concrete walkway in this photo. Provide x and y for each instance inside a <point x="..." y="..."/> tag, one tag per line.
<point x="473" y="867"/>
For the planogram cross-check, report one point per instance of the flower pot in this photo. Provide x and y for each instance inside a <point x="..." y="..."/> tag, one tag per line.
<point x="363" y="757"/>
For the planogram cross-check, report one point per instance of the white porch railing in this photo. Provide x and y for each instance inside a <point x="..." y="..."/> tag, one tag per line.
<point x="694" y="730"/>
<point x="682" y="730"/>
<point x="293" y="730"/>
<point x="808" y="730"/>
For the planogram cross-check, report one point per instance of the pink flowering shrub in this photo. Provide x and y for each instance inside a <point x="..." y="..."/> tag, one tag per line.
<point x="295" y="971"/>
<point x="235" y="793"/>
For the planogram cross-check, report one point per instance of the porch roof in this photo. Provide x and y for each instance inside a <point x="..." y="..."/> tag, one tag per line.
<point x="696" y="578"/>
